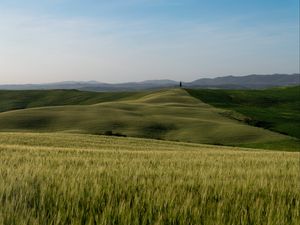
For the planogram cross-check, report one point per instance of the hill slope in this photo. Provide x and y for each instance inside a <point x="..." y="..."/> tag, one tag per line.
<point x="11" y="100"/>
<point x="169" y="114"/>
<point x="276" y="109"/>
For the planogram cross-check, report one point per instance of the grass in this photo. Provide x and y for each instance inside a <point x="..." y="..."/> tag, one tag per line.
<point x="167" y="114"/>
<point x="276" y="109"/>
<point x="56" y="178"/>
<point x="13" y="100"/>
<point x="286" y="145"/>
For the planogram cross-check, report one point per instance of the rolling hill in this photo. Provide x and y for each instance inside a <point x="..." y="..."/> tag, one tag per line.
<point x="276" y="109"/>
<point x="167" y="114"/>
<point x="22" y="99"/>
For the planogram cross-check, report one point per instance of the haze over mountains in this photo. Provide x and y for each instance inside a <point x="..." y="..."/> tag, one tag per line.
<point x="227" y="82"/>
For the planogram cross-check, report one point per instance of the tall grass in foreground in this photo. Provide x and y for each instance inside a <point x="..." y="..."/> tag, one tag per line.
<point x="81" y="179"/>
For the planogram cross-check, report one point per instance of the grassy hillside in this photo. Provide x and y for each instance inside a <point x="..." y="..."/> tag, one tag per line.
<point x="168" y="114"/>
<point x="56" y="178"/>
<point x="11" y="100"/>
<point x="276" y="109"/>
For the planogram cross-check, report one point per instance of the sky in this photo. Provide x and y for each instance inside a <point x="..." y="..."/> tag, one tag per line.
<point x="134" y="40"/>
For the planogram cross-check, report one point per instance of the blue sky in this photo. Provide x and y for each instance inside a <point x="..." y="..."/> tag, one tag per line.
<point x="133" y="40"/>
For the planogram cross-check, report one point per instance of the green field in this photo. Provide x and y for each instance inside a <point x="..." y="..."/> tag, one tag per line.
<point x="57" y="178"/>
<point x="276" y="109"/>
<point x="12" y="100"/>
<point x="167" y="114"/>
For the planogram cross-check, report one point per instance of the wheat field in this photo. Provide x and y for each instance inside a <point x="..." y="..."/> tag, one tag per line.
<point x="87" y="179"/>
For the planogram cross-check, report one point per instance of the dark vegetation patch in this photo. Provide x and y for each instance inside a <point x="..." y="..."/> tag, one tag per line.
<point x="217" y="143"/>
<point x="157" y="130"/>
<point x="258" y="123"/>
<point x="110" y="128"/>
<point x="111" y="133"/>
<point x="276" y="109"/>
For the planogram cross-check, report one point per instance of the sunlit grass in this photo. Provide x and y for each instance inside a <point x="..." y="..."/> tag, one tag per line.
<point x="82" y="179"/>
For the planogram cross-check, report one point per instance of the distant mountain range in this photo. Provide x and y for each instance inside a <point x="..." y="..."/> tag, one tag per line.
<point x="248" y="82"/>
<point x="227" y="82"/>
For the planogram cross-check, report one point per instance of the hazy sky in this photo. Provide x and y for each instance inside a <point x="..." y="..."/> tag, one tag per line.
<point x="134" y="40"/>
